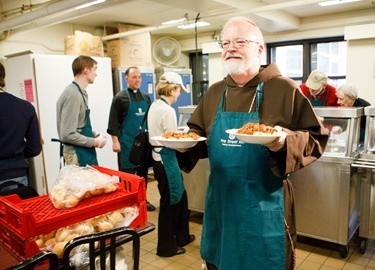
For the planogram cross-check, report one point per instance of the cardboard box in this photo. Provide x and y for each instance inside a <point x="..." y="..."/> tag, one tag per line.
<point x="84" y="43"/>
<point x="134" y="50"/>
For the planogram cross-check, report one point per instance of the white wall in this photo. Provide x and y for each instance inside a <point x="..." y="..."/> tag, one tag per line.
<point x="361" y="67"/>
<point x="361" y="59"/>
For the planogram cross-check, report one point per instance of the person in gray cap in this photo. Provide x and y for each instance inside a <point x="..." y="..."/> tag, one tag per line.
<point x="318" y="91"/>
<point x="173" y="220"/>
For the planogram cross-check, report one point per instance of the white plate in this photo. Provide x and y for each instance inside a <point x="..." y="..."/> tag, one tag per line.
<point x="255" y="139"/>
<point x="177" y="143"/>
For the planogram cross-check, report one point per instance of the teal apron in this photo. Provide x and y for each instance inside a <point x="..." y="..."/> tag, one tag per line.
<point x="86" y="156"/>
<point x="243" y="226"/>
<point x="317" y="102"/>
<point x="175" y="182"/>
<point x="129" y="128"/>
<point x="172" y="169"/>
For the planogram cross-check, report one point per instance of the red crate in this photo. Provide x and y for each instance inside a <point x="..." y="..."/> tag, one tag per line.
<point x="31" y="217"/>
<point x="21" y="249"/>
<point x="24" y="249"/>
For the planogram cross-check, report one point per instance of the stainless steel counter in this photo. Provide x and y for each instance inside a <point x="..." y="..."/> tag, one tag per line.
<point x="328" y="190"/>
<point x="366" y="165"/>
<point x="196" y="183"/>
<point x="327" y="201"/>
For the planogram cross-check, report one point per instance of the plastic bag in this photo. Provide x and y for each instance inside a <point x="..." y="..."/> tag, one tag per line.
<point x="75" y="183"/>
<point x="56" y="240"/>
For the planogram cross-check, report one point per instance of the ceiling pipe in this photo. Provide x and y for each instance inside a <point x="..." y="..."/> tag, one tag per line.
<point x="76" y="13"/>
<point x="139" y="31"/>
<point x="45" y="11"/>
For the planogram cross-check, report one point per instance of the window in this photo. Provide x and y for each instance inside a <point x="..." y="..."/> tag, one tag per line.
<point x="289" y="59"/>
<point x="199" y="66"/>
<point x="330" y="57"/>
<point x="297" y="59"/>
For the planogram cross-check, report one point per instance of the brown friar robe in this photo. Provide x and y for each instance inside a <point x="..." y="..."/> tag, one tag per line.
<point x="283" y="104"/>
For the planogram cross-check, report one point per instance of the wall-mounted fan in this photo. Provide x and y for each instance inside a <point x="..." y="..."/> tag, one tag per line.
<point x="166" y="50"/>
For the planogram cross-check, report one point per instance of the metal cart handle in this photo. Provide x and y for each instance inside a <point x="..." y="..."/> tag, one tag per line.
<point x="366" y="166"/>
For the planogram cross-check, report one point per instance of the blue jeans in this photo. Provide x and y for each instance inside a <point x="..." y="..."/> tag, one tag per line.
<point x="23" y="180"/>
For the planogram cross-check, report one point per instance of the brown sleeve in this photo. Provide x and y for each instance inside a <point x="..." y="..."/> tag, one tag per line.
<point x="306" y="137"/>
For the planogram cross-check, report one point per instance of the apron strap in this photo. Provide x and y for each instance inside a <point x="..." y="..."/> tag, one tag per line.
<point x="80" y="91"/>
<point x="258" y="96"/>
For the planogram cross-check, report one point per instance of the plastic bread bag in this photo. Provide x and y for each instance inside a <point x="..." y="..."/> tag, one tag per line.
<point x="80" y="260"/>
<point x="56" y="240"/>
<point x="130" y="213"/>
<point x="122" y="217"/>
<point x="109" y="221"/>
<point x="46" y="241"/>
<point x="75" y="183"/>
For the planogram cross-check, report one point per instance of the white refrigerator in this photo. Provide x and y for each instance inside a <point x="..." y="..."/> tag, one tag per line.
<point x="40" y="79"/>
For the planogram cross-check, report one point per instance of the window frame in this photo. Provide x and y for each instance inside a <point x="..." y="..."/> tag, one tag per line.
<point x="306" y="47"/>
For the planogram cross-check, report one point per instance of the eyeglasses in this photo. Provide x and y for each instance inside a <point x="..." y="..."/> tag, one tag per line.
<point x="238" y="43"/>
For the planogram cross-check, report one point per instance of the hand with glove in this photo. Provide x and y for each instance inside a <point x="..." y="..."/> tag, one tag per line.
<point x="100" y="140"/>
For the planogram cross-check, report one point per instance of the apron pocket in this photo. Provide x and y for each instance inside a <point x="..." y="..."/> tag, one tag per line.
<point x="264" y="235"/>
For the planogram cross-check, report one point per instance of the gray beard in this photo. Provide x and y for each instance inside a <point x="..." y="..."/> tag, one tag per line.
<point x="235" y="67"/>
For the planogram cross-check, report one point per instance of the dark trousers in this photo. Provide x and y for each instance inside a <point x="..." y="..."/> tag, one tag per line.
<point x="173" y="221"/>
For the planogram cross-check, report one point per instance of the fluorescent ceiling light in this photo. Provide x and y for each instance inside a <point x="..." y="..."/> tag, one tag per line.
<point x="174" y="21"/>
<point x="90" y="4"/>
<point x="192" y="25"/>
<point x="336" y="2"/>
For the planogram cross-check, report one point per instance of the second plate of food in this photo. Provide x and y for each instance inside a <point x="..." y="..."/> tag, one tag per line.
<point x="254" y="139"/>
<point x="177" y="143"/>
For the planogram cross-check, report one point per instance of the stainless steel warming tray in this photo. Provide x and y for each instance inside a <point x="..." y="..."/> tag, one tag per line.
<point x="327" y="191"/>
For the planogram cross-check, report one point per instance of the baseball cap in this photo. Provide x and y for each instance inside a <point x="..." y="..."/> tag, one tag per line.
<point x="316" y="79"/>
<point x="173" y="77"/>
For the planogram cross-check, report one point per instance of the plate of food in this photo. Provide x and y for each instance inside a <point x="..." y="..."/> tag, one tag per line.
<point x="179" y="140"/>
<point x="255" y="133"/>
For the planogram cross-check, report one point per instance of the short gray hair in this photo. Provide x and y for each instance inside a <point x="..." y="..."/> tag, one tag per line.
<point x="348" y="90"/>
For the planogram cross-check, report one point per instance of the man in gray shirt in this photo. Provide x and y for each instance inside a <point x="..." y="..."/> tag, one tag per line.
<point x="73" y="116"/>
